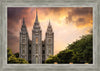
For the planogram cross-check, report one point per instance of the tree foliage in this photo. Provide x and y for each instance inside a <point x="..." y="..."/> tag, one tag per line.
<point x="12" y="59"/>
<point x="16" y="55"/>
<point x="80" y="51"/>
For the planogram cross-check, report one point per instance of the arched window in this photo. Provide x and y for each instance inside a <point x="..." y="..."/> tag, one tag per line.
<point x="23" y="40"/>
<point x="49" y="41"/>
<point x="49" y="51"/>
<point x="23" y="36"/>
<point x="36" y="48"/>
<point x="36" y="40"/>
<point x="23" y="51"/>
<point x="23" y="46"/>
<point x="36" y="59"/>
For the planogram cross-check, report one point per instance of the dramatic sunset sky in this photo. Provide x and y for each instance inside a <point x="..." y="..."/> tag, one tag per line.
<point x="68" y="23"/>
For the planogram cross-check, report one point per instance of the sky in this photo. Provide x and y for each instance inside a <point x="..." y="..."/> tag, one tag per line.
<point x="68" y="24"/>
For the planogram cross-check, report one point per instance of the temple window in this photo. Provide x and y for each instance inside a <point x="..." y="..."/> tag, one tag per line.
<point x="49" y="40"/>
<point x="49" y="50"/>
<point x="23" y="36"/>
<point x="23" y="51"/>
<point x="23" y="40"/>
<point x="36" y="40"/>
<point x="36" y="59"/>
<point x="36" y="49"/>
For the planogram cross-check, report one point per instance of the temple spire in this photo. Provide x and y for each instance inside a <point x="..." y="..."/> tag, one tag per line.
<point x="49" y="27"/>
<point x="23" y="22"/>
<point x="49" y="21"/>
<point x="36" y="20"/>
<point x="23" y="25"/>
<point x="36" y="23"/>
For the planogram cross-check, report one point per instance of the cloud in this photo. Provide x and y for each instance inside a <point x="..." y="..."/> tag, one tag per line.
<point x="13" y="42"/>
<point x="80" y="16"/>
<point x="17" y="13"/>
<point x="83" y="11"/>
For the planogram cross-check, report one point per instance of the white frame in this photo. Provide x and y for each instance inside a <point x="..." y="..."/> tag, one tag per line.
<point x="49" y="3"/>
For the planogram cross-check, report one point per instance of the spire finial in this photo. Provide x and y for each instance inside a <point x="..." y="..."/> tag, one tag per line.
<point x="23" y="21"/>
<point x="36" y="9"/>
<point x="49" y="26"/>
<point x="49" y="21"/>
<point x="36" y="20"/>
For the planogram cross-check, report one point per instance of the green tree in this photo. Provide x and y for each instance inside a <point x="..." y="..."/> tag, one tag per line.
<point x="9" y="53"/>
<point x="80" y="51"/>
<point x="52" y="59"/>
<point x="65" y="56"/>
<point x="11" y="59"/>
<point x="16" y="55"/>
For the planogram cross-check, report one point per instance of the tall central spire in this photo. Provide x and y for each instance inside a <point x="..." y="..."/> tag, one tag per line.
<point x="36" y="20"/>
<point x="23" y="22"/>
<point x="36" y="23"/>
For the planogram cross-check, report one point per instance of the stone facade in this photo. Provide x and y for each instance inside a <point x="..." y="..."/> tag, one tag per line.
<point x="36" y="51"/>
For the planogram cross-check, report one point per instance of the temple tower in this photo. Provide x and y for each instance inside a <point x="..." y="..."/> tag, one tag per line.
<point x="36" y="42"/>
<point x="49" y="41"/>
<point x="23" y="42"/>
